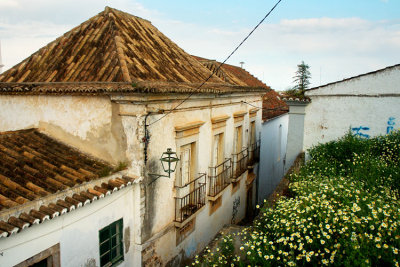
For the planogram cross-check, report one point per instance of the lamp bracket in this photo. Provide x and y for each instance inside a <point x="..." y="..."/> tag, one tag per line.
<point x="157" y="176"/>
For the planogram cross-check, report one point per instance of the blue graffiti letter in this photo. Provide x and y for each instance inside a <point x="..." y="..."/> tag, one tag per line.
<point x="357" y="131"/>
<point x="390" y="124"/>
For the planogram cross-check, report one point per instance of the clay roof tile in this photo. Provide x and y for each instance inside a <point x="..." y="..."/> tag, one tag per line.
<point x="103" y="49"/>
<point x="18" y="222"/>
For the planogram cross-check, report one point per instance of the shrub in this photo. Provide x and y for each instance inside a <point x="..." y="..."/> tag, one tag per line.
<point x="345" y="211"/>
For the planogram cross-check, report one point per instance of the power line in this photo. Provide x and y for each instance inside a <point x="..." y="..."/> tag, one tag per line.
<point x="220" y="65"/>
<point x="278" y="108"/>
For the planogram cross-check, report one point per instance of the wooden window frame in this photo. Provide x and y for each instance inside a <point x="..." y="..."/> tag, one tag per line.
<point x="52" y="255"/>
<point x="182" y="181"/>
<point x="187" y="134"/>
<point x="118" y="226"/>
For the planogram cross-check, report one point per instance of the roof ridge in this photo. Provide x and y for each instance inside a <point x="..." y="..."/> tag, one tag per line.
<point x="112" y="46"/>
<point x="118" y="43"/>
<point x="18" y="131"/>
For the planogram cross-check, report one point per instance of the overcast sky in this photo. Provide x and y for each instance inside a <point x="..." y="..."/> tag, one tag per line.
<point x="338" y="39"/>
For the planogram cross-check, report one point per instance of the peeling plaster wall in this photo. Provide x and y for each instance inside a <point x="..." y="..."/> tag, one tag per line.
<point x="77" y="232"/>
<point x="369" y="105"/>
<point x="88" y="123"/>
<point x="158" y="198"/>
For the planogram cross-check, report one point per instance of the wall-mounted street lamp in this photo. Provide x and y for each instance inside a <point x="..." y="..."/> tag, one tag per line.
<point x="169" y="161"/>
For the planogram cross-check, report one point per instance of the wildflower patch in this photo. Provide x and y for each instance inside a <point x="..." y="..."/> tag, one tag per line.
<point x="345" y="212"/>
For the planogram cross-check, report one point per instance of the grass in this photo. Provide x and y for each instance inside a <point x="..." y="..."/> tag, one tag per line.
<point x="345" y="211"/>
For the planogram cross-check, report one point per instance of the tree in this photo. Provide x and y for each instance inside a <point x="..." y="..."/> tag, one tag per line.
<point x="302" y="77"/>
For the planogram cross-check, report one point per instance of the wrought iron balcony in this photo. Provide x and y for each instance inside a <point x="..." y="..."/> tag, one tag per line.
<point x="254" y="152"/>
<point x="192" y="201"/>
<point x="240" y="162"/>
<point x="220" y="177"/>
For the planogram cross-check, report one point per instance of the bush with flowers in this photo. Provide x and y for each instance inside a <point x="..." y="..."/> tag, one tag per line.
<point x="345" y="211"/>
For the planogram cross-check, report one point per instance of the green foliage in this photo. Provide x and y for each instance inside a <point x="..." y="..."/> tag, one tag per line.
<point x="106" y="171"/>
<point x="223" y="254"/>
<point x="374" y="161"/>
<point x="121" y="166"/>
<point x="302" y="77"/>
<point x="294" y="93"/>
<point x="345" y="211"/>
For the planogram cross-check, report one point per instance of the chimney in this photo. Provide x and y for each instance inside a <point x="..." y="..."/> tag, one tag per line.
<point x="1" y="61"/>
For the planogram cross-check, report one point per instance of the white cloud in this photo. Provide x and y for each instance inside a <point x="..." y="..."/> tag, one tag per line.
<point x="8" y="3"/>
<point x="335" y="48"/>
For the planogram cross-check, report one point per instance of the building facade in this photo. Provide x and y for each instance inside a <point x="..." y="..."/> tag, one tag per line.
<point x="367" y="105"/>
<point x="117" y="89"/>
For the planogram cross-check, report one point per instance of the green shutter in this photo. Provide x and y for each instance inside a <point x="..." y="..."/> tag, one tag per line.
<point x="111" y="246"/>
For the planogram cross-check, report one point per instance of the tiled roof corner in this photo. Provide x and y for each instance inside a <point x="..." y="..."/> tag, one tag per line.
<point x="41" y="179"/>
<point x="62" y="206"/>
<point x="273" y="106"/>
<point x="232" y="74"/>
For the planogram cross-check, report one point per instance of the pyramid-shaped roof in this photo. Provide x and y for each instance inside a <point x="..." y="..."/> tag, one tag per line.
<point x="232" y="74"/>
<point x="112" y="46"/>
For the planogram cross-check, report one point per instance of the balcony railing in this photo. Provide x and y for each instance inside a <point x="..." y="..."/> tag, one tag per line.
<point x="220" y="177"/>
<point x="193" y="201"/>
<point x="254" y="152"/>
<point x="240" y="162"/>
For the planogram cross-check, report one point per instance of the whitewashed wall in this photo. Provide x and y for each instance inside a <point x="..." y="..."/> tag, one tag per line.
<point x="77" y="232"/>
<point x="296" y="131"/>
<point x="368" y="104"/>
<point x="271" y="169"/>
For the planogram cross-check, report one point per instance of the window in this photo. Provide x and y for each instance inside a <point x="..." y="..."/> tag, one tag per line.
<point x="252" y="133"/>
<point x="238" y="139"/>
<point x="47" y="258"/>
<point x="187" y="163"/>
<point x="111" y="247"/>
<point x="218" y="149"/>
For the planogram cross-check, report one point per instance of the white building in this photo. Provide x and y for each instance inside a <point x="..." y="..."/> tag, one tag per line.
<point x="296" y="129"/>
<point x="119" y="90"/>
<point x="368" y="105"/>
<point x="274" y="135"/>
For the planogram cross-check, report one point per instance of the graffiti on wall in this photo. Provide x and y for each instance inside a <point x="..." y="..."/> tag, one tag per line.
<point x="390" y="125"/>
<point x="360" y="131"/>
<point x="235" y="209"/>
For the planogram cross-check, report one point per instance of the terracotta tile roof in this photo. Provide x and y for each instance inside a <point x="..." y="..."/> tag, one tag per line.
<point x="287" y="96"/>
<point x="96" y="88"/>
<point x="61" y="206"/>
<point x="112" y="46"/>
<point x="273" y="106"/>
<point x="34" y="169"/>
<point x="232" y="74"/>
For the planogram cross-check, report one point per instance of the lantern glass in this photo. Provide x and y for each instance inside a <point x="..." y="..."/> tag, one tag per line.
<point x="169" y="161"/>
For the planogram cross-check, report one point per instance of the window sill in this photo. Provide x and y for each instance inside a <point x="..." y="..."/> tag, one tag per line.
<point x="215" y="198"/>
<point x="250" y="178"/>
<point x="188" y="219"/>
<point x="237" y="179"/>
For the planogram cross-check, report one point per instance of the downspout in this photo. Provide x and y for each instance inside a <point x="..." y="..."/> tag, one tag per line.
<point x="146" y="137"/>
